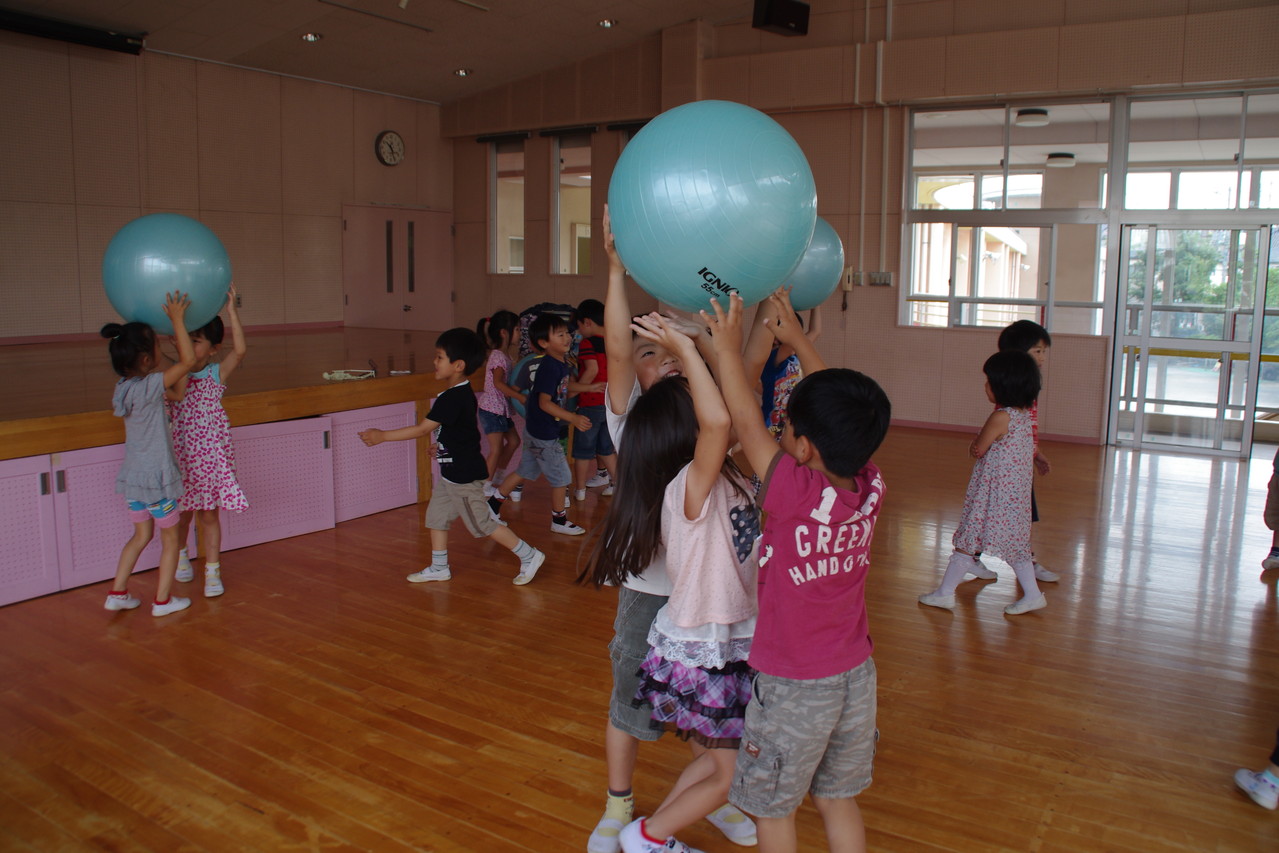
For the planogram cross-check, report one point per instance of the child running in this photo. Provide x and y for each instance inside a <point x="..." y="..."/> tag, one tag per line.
<point x="635" y="366"/>
<point x="695" y="678"/>
<point x="996" y="516"/>
<point x="460" y="490"/>
<point x="149" y="479"/>
<point x="202" y="442"/>
<point x="495" y="400"/>
<point x="595" y="444"/>
<point x="810" y="724"/>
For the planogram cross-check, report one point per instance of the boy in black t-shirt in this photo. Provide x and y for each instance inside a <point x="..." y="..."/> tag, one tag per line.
<point x="460" y="490"/>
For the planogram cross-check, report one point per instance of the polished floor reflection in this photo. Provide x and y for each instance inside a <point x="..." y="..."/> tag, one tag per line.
<point x="324" y="703"/>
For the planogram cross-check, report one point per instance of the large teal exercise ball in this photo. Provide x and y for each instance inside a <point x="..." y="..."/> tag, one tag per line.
<point x="819" y="271"/>
<point x="157" y="254"/>
<point x="710" y="197"/>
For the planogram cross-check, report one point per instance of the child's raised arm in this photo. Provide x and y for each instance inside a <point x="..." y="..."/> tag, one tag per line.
<point x="239" y="346"/>
<point x="726" y="332"/>
<point x="784" y="324"/>
<point x="617" y="327"/>
<point x="713" y="420"/>
<point x="995" y="428"/>
<point x="175" y="307"/>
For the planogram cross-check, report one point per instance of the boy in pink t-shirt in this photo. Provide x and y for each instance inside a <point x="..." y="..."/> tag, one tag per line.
<point x="810" y="724"/>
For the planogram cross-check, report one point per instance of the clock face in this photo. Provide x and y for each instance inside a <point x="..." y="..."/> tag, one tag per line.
<point x="389" y="147"/>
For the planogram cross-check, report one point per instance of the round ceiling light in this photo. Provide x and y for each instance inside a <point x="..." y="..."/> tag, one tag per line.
<point x="1060" y="160"/>
<point x="1031" y="117"/>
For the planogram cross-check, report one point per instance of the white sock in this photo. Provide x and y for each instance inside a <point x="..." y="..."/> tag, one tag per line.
<point x="956" y="568"/>
<point x="1025" y="572"/>
<point x="440" y="559"/>
<point x="212" y="567"/>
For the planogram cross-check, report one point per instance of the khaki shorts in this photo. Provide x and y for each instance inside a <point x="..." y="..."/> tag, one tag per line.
<point x="450" y="500"/>
<point x="1272" y="503"/>
<point x="806" y="736"/>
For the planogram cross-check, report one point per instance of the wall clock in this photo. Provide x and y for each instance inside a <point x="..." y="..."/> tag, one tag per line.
<point x="389" y="147"/>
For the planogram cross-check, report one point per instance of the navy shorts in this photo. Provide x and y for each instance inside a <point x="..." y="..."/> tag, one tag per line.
<point x="595" y="441"/>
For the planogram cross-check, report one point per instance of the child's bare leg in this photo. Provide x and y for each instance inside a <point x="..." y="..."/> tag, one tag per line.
<point x="621" y="751"/>
<point x="557" y="498"/>
<point x="210" y="535"/>
<point x="512" y="480"/>
<point x="845" y="831"/>
<point x="184" y="527"/>
<point x="129" y="554"/>
<point x="509" y="444"/>
<point x="582" y="472"/>
<point x="776" y="834"/>
<point x="701" y="788"/>
<point x="495" y="451"/>
<point x="168" y="562"/>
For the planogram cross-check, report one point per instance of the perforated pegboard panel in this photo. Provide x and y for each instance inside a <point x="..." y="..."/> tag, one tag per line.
<point x="28" y="561"/>
<point x="286" y="472"/>
<point x="372" y="479"/>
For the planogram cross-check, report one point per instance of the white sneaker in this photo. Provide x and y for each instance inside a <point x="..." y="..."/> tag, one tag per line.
<point x="936" y="599"/>
<point x="605" y="837"/>
<point x="185" y="573"/>
<point x="529" y="570"/>
<point x="608" y="491"/>
<point x="174" y="604"/>
<point x="1257" y="786"/>
<point x="430" y="573"/>
<point x="1026" y="605"/>
<point x="737" y="827"/>
<point x="517" y="493"/>
<point x="579" y="494"/>
<point x="1271" y="562"/>
<point x="121" y="602"/>
<point x="566" y="527"/>
<point x="1042" y="574"/>
<point x="213" y="583"/>
<point x="568" y="501"/>
<point x="633" y="841"/>
<point x="490" y="490"/>
<point x="600" y="479"/>
<point x="982" y="572"/>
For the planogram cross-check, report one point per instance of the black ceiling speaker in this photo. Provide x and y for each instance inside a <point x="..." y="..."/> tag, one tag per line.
<point x="74" y="33"/>
<point x="784" y="17"/>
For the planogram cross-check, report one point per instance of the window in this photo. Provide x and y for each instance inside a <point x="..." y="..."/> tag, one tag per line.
<point x="572" y="250"/>
<point x="507" y="237"/>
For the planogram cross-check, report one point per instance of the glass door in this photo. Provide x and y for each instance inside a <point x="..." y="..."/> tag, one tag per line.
<point x="1187" y="349"/>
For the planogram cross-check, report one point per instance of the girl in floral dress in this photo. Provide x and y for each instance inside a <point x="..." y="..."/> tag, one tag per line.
<point x="202" y="442"/>
<point x="996" y="518"/>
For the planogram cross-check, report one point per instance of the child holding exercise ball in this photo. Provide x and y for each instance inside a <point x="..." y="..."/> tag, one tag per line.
<point x="149" y="479"/>
<point x="202" y="442"/>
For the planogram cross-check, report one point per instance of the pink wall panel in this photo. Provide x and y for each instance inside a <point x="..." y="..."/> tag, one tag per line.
<point x="374" y="182"/>
<point x="986" y="63"/>
<point x="255" y="243"/>
<point x="727" y="79"/>
<point x="559" y="101"/>
<point x="1233" y="45"/>
<point x="36" y="133"/>
<point x="38" y="269"/>
<point x="824" y="138"/>
<point x="492" y="109"/>
<point x="372" y="479"/>
<point x="316" y="139"/>
<point x="1099" y="11"/>
<point x="106" y="125"/>
<point x="527" y="102"/>
<point x="29" y="559"/>
<point x="170" y="133"/>
<point x="595" y="79"/>
<point x="240" y="139"/>
<point x="312" y="268"/>
<point x="924" y="20"/>
<point x="1122" y="54"/>
<point x="681" y="63"/>
<point x="95" y="226"/>
<point x="983" y="16"/>
<point x="912" y="69"/>
<point x="435" y="161"/>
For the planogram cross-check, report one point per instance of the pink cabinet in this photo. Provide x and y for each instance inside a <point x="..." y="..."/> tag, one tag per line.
<point x="286" y="472"/>
<point x="372" y="479"/>
<point x="29" y="558"/>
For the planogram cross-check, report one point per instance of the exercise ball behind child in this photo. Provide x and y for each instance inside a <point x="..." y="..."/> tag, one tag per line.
<point x="711" y="197"/>
<point x="819" y="271"/>
<point x="157" y="254"/>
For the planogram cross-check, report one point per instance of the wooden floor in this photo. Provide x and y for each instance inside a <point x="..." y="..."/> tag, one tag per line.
<point x="325" y="704"/>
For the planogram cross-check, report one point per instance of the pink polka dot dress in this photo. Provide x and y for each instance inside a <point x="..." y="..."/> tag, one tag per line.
<point x="202" y="442"/>
<point x="996" y="517"/>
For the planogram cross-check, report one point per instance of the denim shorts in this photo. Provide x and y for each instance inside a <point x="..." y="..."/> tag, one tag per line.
<point x="813" y="735"/>
<point x="635" y="614"/>
<point x="543" y="456"/>
<point x="491" y="422"/>
<point x="595" y="441"/>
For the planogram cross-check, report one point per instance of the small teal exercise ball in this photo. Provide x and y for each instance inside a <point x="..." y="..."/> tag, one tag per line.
<point x="711" y="197"/>
<point x="819" y="271"/>
<point x="157" y="254"/>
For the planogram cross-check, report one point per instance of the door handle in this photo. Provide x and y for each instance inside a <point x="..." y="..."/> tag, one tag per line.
<point x="60" y="479"/>
<point x="44" y="483"/>
<point x="408" y="308"/>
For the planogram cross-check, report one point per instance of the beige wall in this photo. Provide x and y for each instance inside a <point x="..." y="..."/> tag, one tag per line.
<point x="93" y="139"/>
<point x="825" y="90"/>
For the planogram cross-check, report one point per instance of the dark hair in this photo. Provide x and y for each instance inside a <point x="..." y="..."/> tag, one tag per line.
<point x="844" y="414"/>
<point x="1022" y="336"/>
<point x="590" y="309"/>
<point x="211" y="331"/>
<point x="128" y="343"/>
<point x="491" y="328"/>
<point x="1014" y="378"/>
<point x="461" y="344"/>
<point x="542" y="327"/>
<point x="660" y="438"/>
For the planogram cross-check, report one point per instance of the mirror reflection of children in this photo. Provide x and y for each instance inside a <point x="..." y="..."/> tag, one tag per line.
<point x="459" y="491"/>
<point x="202" y="442"/>
<point x="149" y="479"/>
<point x="996" y="517"/>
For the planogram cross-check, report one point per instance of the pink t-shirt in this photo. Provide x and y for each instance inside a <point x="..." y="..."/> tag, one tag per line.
<point x="813" y="562"/>
<point x="491" y="399"/>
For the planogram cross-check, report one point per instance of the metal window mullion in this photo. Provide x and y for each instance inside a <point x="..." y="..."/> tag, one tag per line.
<point x="1051" y="284"/>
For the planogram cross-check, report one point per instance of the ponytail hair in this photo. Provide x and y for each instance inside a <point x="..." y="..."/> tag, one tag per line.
<point x="491" y="328"/>
<point x="129" y="343"/>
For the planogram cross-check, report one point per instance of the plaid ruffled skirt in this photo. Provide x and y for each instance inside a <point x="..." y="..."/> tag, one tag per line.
<point x="706" y="705"/>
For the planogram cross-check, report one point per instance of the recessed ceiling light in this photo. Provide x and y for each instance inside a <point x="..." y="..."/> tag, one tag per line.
<point x="608" y="23"/>
<point x="311" y="38"/>
<point x="462" y="72"/>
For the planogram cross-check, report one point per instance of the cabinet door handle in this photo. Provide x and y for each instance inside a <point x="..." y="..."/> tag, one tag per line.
<point x="60" y="478"/>
<point x="44" y="483"/>
<point x="326" y="439"/>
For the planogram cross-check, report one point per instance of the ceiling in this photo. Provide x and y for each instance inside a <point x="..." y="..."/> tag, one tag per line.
<point x="378" y="46"/>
